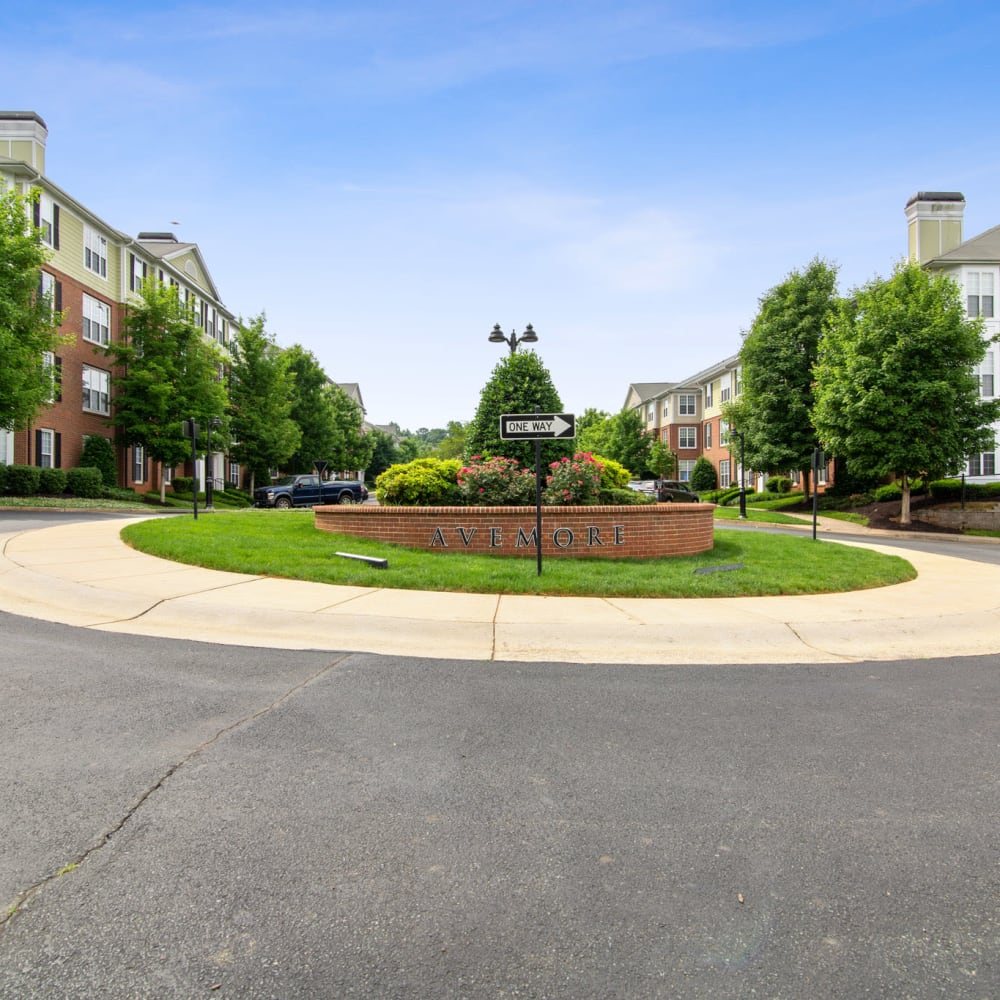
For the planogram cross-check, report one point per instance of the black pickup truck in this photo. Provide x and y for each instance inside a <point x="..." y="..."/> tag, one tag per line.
<point x="307" y="491"/>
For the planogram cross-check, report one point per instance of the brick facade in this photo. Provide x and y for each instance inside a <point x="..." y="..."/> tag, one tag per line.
<point x="634" y="532"/>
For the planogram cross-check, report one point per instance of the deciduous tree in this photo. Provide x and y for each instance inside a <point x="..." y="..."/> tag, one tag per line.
<point x="170" y="372"/>
<point x="895" y="387"/>
<point x="28" y="320"/>
<point x="261" y="390"/>
<point x="777" y="357"/>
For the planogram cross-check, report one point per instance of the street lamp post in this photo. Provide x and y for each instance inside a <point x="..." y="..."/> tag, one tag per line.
<point x="215" y="422"/>
<point x="528" y="337"/>
<point x="743" y="480"/>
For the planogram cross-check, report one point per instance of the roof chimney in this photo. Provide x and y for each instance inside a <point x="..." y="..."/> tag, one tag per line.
<point x="22" y="137"/>
<point x="934" y="223"/>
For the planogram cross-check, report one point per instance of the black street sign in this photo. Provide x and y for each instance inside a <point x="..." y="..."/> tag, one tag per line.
<point x="537" y="426"/>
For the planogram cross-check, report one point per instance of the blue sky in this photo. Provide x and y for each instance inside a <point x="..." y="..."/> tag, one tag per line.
<point x="387" y="180"/>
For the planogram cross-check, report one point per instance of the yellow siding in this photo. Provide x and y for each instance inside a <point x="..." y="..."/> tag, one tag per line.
<point x="69" y="257"/>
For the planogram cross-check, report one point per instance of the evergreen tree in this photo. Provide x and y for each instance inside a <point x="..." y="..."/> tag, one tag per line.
<point x="519" y="383"/>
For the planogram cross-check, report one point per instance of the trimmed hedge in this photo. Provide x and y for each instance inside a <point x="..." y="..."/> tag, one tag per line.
<point x="85" y="482"/>
<point x="52" y="481"/>
<point x="23" y="480"/>
<point x="951" y="489"/>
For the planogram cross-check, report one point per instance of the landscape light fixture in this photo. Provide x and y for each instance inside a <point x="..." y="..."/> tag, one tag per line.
<point x="215" y="422"/>
<point x="528" y="337"/>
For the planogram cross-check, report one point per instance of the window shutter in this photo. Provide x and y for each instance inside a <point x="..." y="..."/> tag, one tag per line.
<point x="58" y="376"/>
<point x="38" y="448"/>
<point x="57" y="458"/>
<point x="58" y="296"/>
<point x="55" y="227"/>
<point x="36" y="213"/>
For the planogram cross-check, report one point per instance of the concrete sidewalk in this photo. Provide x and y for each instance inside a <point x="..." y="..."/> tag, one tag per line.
<point x="82" y="574"/>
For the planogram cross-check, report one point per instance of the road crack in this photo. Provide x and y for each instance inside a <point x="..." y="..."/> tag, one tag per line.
<point x="22" y="898"/>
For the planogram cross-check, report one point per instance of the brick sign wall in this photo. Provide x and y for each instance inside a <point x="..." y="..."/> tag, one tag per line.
<point x="643" y="532"/>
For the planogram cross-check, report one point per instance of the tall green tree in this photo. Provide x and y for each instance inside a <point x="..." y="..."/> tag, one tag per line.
<point x="452" y="445"/>
<point x="352" y="448"/>
<point x="774" y="410"/>
<point x="261" y="390"/>
<point x="170" y="373"/>
<point x="593" y="431"/>
<point x="28" y="321"/>
<point x="519" y="383"/>
<point x="629" y="443"/>
<point x="311" y="410"/>
<point x="384" y="454"/>
<point x="895" y="388"/>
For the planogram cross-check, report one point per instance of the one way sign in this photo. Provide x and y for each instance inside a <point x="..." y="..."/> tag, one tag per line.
<point x="536" y="426"/>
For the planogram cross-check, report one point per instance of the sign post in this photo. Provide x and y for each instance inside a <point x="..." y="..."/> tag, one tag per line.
<point x="190" y="429"/>
<point x="537" y="427"/>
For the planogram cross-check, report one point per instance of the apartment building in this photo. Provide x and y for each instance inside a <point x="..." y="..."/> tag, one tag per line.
<point x="934" y="229"/>
<point x="687" y="417"/>
<point x="93" y="272"/>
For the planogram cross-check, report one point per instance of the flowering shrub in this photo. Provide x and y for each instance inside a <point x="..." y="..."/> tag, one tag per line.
<point x="424" y="482"/>
<point x="574" y="481"/>
<point x="496" y="482"/>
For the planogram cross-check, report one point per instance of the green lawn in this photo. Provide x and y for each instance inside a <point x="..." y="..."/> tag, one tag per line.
<point x="287" y="544"/>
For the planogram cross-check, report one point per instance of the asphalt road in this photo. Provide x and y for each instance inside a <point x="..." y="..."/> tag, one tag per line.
<point x="252" y="824"/>
<point x="183" y="820"/>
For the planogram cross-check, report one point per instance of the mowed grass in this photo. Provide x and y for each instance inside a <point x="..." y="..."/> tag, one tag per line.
<point x="287" y="544"/>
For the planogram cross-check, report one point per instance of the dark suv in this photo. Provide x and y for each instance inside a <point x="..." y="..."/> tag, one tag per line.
<point x="672" y="491"/>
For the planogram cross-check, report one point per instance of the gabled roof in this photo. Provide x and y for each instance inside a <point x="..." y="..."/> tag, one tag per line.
<point x="640" y="392"/>
<point x="166" y="247"/>
<point x="981" y="249"/>
<point x="353" y="391"/>
<point x="727" y="364"/>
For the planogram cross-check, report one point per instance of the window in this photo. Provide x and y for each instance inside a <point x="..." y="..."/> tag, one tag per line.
<point x="168" y="475"/>
<point x="987" y="385"/>
<point x="95" y="252"/>
<point x="687" y="437"/>
<point x="45" y="448"/>
<point x="684" y="469"/>
<point x="650" y="412"/>
<point x="6" y="447"/>
<point x="47" y="220"/>
<point x="708" y="393"/>
<point x="137" y="273"/>
<point x="724" y="395"/>
<point x="984" y="464"/>
<point x="666" y="408"/>
<point x="49" y="365"/>
<point x="724" y="478"/>
<point x="50" y="288"/>
<point x="665" y="436"/>
<point x="96" y="321"/>
<point x="979" y="293"/>
<point x="723" y="433"/>
<point x="707" y="432"/>
<point x="687" y="405"/>
<point x="234" y="473"/>
<point x="138" y="464"/>
<point x="96" y="390"/>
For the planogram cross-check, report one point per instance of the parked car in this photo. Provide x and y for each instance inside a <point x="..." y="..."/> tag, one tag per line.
<point x="674" y="491"/>
<point x="647" y="486"/>
<point x="307" y="491"/>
